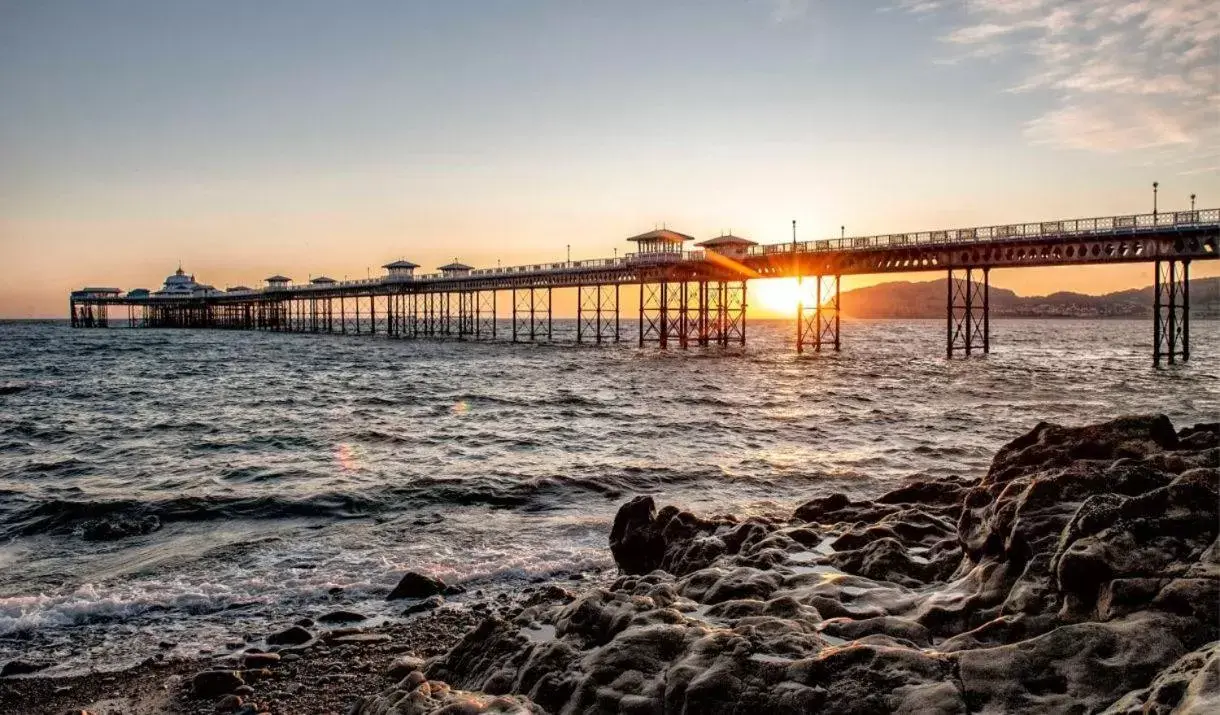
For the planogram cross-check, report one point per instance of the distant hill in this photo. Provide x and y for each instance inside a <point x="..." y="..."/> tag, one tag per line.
<point x="904" y="299"/>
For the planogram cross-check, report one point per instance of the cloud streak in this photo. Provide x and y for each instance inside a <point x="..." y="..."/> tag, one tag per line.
<point x="1125" y="75"/>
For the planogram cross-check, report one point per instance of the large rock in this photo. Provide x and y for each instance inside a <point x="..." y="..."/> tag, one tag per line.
<point x="416" y="585"/>
<point x="294" y="635"/>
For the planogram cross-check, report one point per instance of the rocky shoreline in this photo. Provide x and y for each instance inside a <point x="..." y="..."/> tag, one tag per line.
<point x="1080" y="574"/>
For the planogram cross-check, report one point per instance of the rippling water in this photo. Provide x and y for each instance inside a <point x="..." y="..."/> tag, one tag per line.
<point x="285" y="467"/>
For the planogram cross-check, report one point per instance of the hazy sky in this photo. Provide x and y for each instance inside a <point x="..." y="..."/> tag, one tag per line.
<point x="246" y="138"/>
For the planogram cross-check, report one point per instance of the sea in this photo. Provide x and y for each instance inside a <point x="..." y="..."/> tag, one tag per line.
<point x="282" y="475"/>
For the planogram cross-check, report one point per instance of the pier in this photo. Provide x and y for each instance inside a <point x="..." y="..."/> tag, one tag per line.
<point x="688" y="297"/>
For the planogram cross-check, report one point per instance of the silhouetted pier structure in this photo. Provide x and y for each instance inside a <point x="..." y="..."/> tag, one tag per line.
<point x="690" y="298"/>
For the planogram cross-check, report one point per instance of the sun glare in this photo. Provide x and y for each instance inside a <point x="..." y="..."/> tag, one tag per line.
<point x="780" y="296"/>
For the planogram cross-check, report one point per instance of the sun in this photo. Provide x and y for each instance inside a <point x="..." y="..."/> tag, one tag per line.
<point x="780" y="296"/>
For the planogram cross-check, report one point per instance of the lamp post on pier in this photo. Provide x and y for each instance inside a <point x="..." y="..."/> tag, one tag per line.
<point x="1192" y="203"/>
<point x="1155" y="184"/>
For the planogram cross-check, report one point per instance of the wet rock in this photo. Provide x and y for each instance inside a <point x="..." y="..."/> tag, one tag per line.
<point x="403" y="666"/>
<point x="19" y="666"/>
<point x="342" y="617"/>
<point x="360" y="638"/>
<point x="120" y="527"/>
<point x="427" y="604"/>
<point x="416" y="585"/>
<point x="417" y="696"/>
<point x="295" y="635"/>
<point x="304" y="622"/>
<point x="211" y="683"/>
<point x="1191" y="685"/>
<point x="229" y="703"/>
<point x="260" y="660"/>
<point x="677" y="541"/>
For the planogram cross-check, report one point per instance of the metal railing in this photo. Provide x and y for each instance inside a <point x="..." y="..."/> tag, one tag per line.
<point x="1104" y="226"/>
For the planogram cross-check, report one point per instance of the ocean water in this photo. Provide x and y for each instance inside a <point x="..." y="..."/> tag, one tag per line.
<point x="291" y="474"/>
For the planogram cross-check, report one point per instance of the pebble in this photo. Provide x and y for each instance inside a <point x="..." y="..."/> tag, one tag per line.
<point x="361" y="638"/>
<point x="305" y="622"/>
<point x="260" y="660"/>
<point x="228" y="704"/>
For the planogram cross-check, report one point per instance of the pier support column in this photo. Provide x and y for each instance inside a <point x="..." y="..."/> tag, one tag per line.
<point x="594" y="306"/>
<point x="1171" y="312"/>
<point x="486" y="328"/>
<point x="654" y="313"/>
<point x="967" y="317"/>
<point x="586" y="311"/>
<point x="819" y="328"/>
<point x="731" y="313"/>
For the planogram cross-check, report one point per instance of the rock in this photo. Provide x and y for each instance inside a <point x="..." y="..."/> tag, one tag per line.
<point x="1191" y="685"/>
<point x="342" y="617"/>
<point x="416" y="585"/>
<point x="260" y="660"/>
<point x="403" y="666"/>
<point x="211" y="683"/>
<point x="228" y="704"/>
<point x="635" y="541"/>
<point x="304" y="622"/>
<point x="120" y="526"/>
<point x="19" y="666"/>
<point x="419" y="696"/>
<point x="294" y="635"/>
<point x="361" y="638"/>
<point x="427" y="604"/>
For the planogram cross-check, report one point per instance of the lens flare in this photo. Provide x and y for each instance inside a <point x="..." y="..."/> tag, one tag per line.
<point x="345" y="455"/>
<point x="460" y="407"/>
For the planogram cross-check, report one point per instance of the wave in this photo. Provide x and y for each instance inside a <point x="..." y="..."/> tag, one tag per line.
<point x="28" y="516"/>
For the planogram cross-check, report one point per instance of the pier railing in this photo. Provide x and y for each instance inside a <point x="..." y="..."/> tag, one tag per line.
<point x="1084" y="227"/>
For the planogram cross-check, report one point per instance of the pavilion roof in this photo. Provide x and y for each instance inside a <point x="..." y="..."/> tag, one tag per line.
<point x="727" y="240"/>
<point x="662" y="235"/>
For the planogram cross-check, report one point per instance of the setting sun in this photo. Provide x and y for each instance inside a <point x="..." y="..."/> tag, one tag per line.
<point x="780" y="296"/>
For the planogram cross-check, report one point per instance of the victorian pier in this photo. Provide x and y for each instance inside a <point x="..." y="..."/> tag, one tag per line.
<point x="687" y="298"/>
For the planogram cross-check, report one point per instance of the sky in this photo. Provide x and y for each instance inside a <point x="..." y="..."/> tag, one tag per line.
<point x="304" y="137"/>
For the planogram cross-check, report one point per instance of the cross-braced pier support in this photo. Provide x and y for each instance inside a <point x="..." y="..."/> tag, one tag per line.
<point x="819" y="328"/>
<point x="485" y="315"/>
<point x="532" y="314"/>
<point x="698" y="312"/>
<point x="968" y="313"/>
<point x="1171" y="312"/>
<point x="597" y="314"/>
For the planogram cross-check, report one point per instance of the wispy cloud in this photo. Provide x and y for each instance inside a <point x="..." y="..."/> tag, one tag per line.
<point x="1125" y="75"/>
